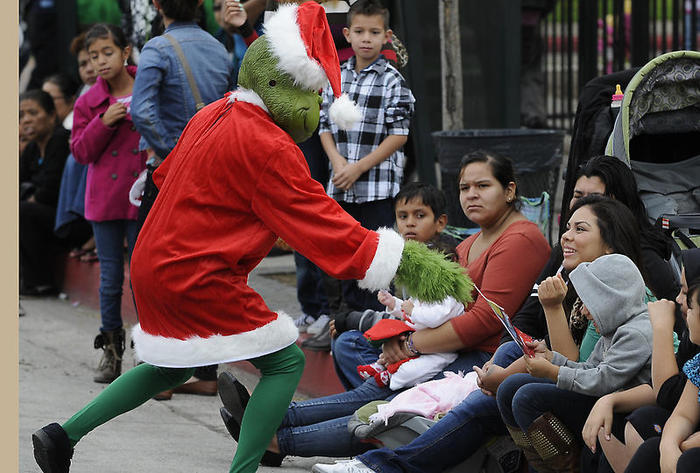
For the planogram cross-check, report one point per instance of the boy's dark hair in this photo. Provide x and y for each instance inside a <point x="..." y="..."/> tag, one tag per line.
<point x="65" y="84"/>
<point x="429" y="195"/>
<point x="618" y="227"/>
<point x="501" y="168"/>
<point x="179" y="10"/>
<point x="42" y="98"/>
<point x="105" y="30"/>
<point x="369" y="8"/>
<point x="621" y="185"/>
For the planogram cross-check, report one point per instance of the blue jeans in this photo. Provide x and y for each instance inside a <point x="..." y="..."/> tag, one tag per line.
<point x="350" y="350"/>
<point x="319" y="426"/>
<point x="523" y="398"/>
<point x="452" y="440"/>
<point x="109" y="239"/>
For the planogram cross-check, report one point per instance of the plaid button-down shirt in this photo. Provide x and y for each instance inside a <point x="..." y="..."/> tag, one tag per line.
<point x="380" y="92"/>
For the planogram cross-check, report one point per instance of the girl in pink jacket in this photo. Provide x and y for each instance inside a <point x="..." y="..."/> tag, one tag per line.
<point x="105" y="138"/>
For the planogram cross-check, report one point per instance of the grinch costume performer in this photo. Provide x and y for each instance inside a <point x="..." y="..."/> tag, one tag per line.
<point x="235" y="182"/>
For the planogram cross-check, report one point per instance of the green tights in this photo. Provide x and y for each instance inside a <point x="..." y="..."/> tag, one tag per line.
<point x="281" y="372"/>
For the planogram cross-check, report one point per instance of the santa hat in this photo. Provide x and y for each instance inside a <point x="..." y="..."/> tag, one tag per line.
<point x="300" y="39"/>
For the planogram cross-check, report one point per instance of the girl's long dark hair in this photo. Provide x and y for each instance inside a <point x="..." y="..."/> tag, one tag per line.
<point x="106" y="30"/>
<point x="621" y="185"/>
<point x="618" y="230"/>
<point x="618" y="227"/>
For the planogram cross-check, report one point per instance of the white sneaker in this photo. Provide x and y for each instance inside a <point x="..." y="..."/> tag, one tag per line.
<point x="303" y="322"/>
<point x="319" y="325"/>
<point x="342" y="466"/>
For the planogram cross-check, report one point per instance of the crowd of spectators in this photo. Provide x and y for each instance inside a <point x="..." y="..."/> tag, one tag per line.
<point x="609" y="381"/>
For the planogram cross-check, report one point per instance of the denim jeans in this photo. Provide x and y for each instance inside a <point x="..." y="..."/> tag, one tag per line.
<point x="523" y="398"/>
<point x="452" y="440"/>
<point x="319" y="426"/>
<point x="109" y="239"/>
<point x="350" y="350"/>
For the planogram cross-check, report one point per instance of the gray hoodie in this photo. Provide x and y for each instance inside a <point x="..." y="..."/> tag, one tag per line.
<point x="613" y="290"/>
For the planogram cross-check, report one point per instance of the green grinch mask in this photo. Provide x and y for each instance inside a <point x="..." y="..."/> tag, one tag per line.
<point x="293" y="108"/>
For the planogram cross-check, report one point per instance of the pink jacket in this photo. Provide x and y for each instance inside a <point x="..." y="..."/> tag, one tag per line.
<point x="112" y="154"/>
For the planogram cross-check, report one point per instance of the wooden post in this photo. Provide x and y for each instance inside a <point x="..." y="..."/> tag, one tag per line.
<point x="451" y="61"/>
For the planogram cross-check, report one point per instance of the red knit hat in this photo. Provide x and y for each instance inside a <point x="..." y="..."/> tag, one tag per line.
<point x="301" y="40"/>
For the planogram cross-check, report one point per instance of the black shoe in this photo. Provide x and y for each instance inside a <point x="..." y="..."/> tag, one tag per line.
<point x="52" y="450"/>
<point x="38" y="291"/>
<point x="321" y="342"/>
<point x="234" y="428"/>
<point x="235" y="398"/>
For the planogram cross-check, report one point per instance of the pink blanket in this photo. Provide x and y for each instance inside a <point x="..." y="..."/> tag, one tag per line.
<point x="431" y="398"/>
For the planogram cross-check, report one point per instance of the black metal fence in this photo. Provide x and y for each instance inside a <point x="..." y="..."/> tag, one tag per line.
<point x="584" y="39"/>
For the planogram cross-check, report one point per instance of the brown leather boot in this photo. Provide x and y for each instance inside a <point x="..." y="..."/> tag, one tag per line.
<point x="521" y="440"/>
<point x="559" y="449"/>
<point x="110" y="367"/>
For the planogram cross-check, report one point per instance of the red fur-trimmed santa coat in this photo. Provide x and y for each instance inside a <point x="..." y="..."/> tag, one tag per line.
<point x="232" y="185"/>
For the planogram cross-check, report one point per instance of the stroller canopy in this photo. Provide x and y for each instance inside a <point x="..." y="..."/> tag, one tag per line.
<point x="663" y="98"/>
<point x="657" y="133"/>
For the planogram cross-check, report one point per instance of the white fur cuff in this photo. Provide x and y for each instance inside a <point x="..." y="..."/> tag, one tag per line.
<point x="385" y="262"/>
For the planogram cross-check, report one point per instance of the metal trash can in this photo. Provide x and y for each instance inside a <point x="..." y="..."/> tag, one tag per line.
<point x="536" y="155"/>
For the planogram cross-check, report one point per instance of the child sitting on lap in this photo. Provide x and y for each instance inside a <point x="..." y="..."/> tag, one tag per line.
<point x="420" y="215"/>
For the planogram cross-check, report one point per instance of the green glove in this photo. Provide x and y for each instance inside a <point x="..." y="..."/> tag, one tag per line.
<point x="429" y="277"/>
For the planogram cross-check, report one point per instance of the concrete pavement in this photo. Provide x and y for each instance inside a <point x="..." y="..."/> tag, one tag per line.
<point x="185" y="434"/>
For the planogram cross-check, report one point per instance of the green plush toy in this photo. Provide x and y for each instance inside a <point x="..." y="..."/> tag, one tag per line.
<point x="428" y="276"/>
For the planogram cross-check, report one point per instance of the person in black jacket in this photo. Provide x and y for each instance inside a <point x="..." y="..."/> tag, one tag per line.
<point x="41" y="165"/>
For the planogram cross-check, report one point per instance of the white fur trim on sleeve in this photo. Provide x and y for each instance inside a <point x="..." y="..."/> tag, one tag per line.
<point x="344" y="112"/>
<point x="385" y="262"/>
<point x="170" y="352"/>
<point x="282" y="33"/>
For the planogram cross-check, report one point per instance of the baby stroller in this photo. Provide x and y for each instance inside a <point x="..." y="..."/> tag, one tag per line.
<point x="657" y="133"/>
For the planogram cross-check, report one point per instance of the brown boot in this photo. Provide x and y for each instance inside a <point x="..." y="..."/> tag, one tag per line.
<point x="556" y="445"/>
<point x="110" y="367"/>
<point x="522" y="441"/>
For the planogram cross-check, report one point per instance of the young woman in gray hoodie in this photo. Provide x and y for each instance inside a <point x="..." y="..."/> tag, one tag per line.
<point x="545" y="406"/>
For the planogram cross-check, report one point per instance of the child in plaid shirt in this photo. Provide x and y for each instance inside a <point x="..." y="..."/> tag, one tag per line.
<point x="367" y="162"/>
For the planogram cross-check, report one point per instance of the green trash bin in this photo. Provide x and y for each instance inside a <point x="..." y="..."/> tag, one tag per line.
<point x="536" y="155"/>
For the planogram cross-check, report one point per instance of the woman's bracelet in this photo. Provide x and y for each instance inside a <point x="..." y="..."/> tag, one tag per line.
<point x="410" y="347"/>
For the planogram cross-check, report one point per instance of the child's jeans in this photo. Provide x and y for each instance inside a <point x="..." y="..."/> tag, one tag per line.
<point x="109" y="239"/>
<point x="523" y="398"/>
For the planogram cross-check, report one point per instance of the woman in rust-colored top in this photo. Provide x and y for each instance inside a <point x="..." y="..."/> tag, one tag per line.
<point x="503" y="259"/>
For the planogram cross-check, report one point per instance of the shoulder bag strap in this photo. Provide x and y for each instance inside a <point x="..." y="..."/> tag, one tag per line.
<point x="199" y="104"/>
